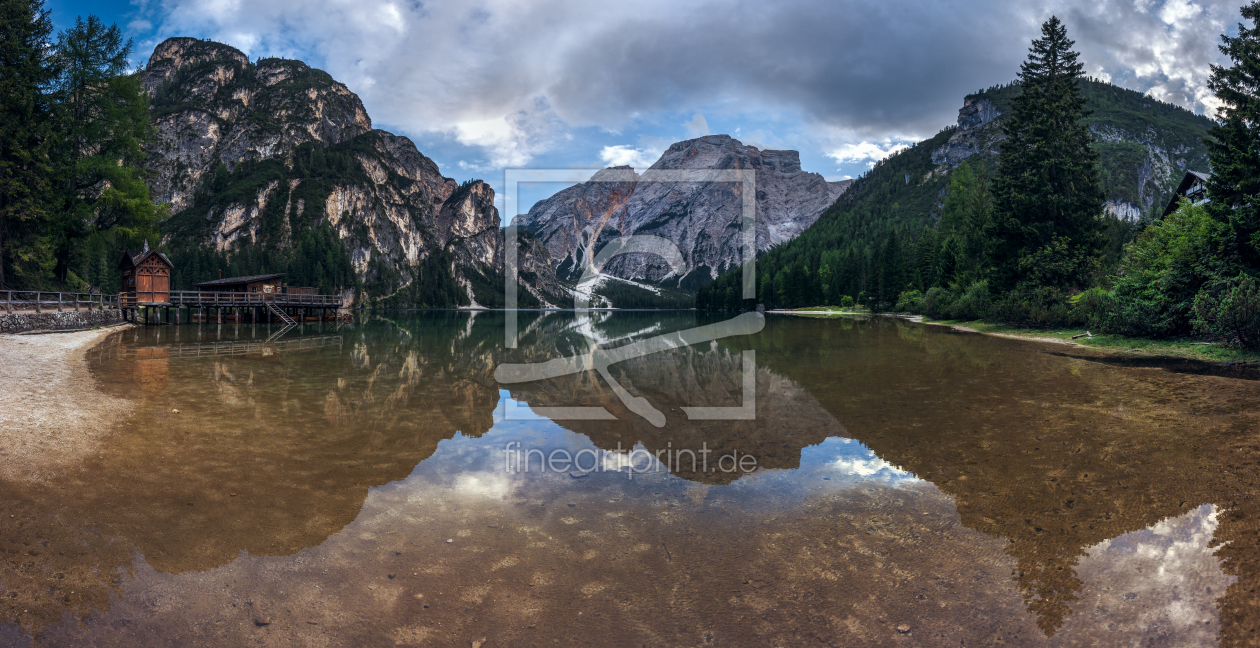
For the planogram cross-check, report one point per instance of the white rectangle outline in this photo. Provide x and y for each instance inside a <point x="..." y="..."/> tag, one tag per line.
<point x="512" y="179"/>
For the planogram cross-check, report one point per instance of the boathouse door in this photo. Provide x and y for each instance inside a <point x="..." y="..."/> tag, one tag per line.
<point x="153" y="282"/>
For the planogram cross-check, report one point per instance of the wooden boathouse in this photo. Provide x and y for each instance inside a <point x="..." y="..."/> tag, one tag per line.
<point x="146" y="294"/>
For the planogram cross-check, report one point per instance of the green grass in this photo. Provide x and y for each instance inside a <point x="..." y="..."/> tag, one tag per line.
<point x="1189" y="348"/>
<point x="832" y="309"/>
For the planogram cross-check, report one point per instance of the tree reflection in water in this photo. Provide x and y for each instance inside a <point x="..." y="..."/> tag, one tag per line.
<point x="1063" y="462"/>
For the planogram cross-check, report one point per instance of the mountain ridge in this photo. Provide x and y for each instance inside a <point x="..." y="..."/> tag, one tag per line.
<point x="701" y="218"/>
<point x="1144" y="146"/>
<point x="275" y="166"/>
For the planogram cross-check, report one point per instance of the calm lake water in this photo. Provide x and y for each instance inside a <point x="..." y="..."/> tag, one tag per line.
<point x="377" y="484"/>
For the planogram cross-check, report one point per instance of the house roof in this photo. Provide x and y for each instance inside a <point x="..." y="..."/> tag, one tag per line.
<point x="240" y="280"/>
<point x="134" y="258"/>
<point x="1191" y="178"/>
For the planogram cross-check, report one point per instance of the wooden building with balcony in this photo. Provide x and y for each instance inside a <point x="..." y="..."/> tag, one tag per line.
<point x="267" y="284"/>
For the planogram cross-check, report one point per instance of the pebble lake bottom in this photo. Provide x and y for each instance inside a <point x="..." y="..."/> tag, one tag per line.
<point x="913" y="486"/>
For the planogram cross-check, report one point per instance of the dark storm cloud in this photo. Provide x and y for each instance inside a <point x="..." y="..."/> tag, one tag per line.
<point x="511" y="76"/>
<point x="867" y="67"/>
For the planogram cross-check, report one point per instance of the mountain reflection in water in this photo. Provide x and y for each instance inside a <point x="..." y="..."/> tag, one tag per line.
<point x="348" y="487"/>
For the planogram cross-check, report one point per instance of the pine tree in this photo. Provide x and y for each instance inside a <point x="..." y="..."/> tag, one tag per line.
<point x="1047" y="184"/>
<point x="892" y="270"/>
<point x="103" y="122"/>
<point x="968" y="211"/>
<point x="1234" y="145"/>
<point x="25" y="120"/>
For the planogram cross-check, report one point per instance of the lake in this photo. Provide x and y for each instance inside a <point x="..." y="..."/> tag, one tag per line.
<point x="642" y="479"/>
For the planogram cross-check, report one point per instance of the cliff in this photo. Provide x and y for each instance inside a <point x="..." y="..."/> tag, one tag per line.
<point x="1145" y="147"/>
<point x="275" y="166"/>
<point x="702" y="218"/>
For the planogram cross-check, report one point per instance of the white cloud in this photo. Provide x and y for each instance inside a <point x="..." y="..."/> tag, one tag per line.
<point x="511" y="78"/>
<point x="869" y="152"/>
<point x="1164" y="48"/>
<point x="625" y="155"/>
<point x="698" y="126"/>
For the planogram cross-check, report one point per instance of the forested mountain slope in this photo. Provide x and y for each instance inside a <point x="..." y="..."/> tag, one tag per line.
<point x="1145" y="147"/>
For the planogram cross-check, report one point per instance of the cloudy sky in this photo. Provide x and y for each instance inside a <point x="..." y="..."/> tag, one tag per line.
<point x="481" y="85"/>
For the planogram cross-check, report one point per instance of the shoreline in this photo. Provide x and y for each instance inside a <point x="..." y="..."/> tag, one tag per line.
<point x="53" y="414"/>
<point x="1172" y="349"/>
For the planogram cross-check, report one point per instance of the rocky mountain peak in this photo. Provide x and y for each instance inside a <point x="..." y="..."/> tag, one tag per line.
<point x="701" y="218"/>
<point x="973" y="135"/>
<point x="976" y="112"/>
<point x="210" y="105"/>
<point x="276" y="155"/>
<point x="173" y="54"/>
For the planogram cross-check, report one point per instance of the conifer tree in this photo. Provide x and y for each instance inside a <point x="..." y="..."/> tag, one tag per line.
<point x="1047" y="184"/>
<point x="25" y="120"/>
<point x="103" y="120"/>
<point x="1234" y="144"/>
<point x="968" y="210"/>
<point x="892" y="271"/>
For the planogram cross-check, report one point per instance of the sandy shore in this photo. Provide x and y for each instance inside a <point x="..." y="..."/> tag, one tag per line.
<point x="52" y="415"/>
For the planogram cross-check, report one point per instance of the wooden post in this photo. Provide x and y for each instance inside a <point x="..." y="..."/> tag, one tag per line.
<point x="76" y="302"/>
<point x="8" y="302"/>
<point x="37" y="306"/>
<point x="220" y="313"/>
<point x="59" y="302"/>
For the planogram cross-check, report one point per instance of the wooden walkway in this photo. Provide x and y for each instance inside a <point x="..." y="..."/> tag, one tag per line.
<point x="39" y="301"/>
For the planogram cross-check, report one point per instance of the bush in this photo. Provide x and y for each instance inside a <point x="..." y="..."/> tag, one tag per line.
<point x="1036" y="307"/>
<point x="1092" y="306"/>
<point x="973" y="304"/>
<point x="1229" y="310"/>
<point x="846" y="301"/>
<point x="936" y="302"/>
<point x="1161" y="273"/>
<point x="909" y="302"/>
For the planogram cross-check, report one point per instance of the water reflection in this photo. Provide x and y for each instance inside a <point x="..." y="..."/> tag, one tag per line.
<point x="979" y="490"/>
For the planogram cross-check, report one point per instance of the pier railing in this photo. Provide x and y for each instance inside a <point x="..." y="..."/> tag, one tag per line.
<point x="214" y="299"/>
<point x="202" y="297"/>
<point x="39" y="301"/>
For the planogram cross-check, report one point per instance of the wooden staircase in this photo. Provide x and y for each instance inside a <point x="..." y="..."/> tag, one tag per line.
<point x="279" y="312"/>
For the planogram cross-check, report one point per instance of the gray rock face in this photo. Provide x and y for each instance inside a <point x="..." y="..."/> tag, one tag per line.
<point x="211" y="106"/>
<point x="389" y="204"/>
<point x="1145" y="161"/>
<point x="977" y="133"/>
<point x="701" y="218"/>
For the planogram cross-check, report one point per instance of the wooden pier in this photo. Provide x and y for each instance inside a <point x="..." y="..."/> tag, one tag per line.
<point x="202" y="305"/>
<point x="238" y="307"/>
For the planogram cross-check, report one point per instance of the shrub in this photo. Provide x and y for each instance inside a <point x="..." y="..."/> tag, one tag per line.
<point x="1092" y="306"/>
<point x="846" y="301"/>
<point x="973" y="304"/>
<point x="1229" y="310"/>
<point x="1162" y="272"/>
<point x="936" y="302"/>
<point x="1036" y="307"/>
<point x="909" y="302"/>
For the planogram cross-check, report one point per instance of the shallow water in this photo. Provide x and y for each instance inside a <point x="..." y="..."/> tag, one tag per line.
<point x="900" y="484"/>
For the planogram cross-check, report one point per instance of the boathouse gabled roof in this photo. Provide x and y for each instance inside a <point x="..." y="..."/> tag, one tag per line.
<point x="226" y="281"/>
<point x="132" y="259"/>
